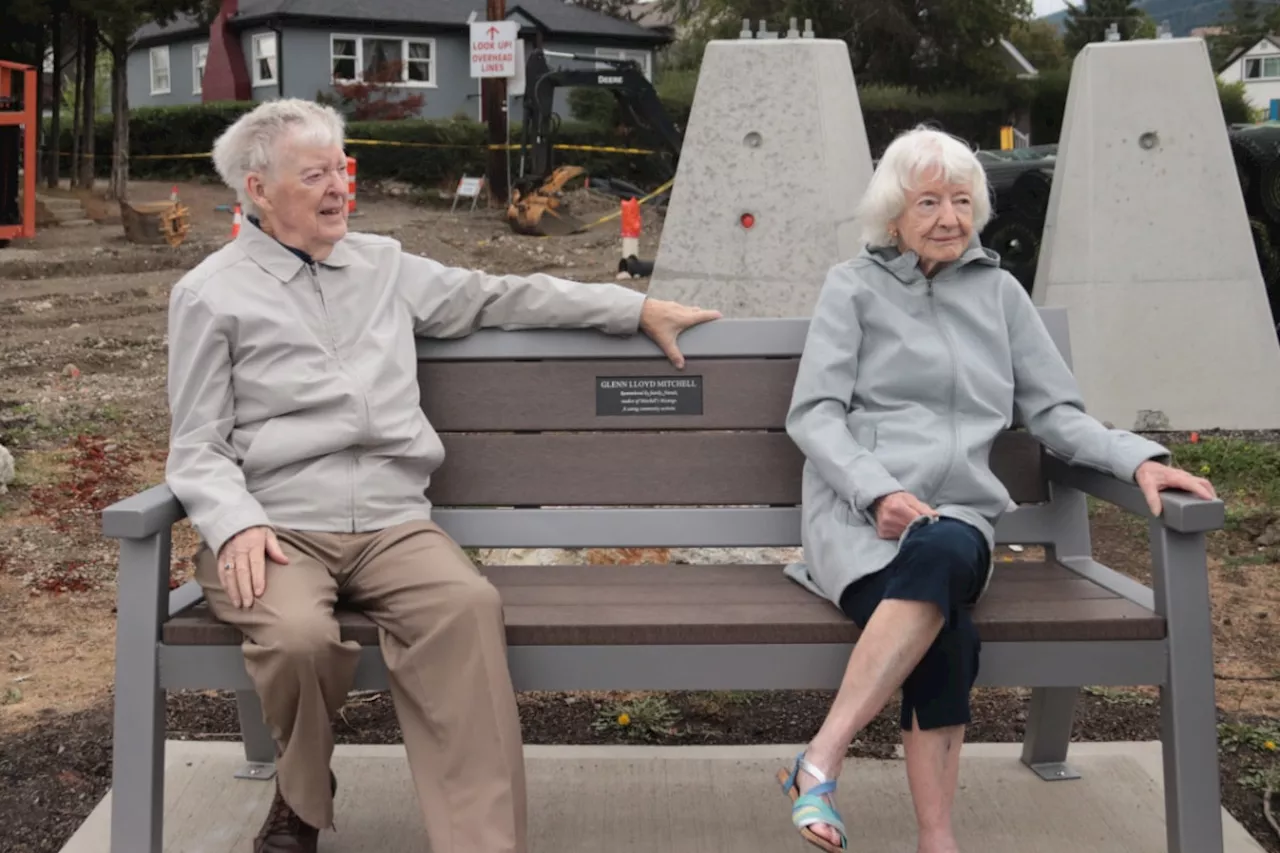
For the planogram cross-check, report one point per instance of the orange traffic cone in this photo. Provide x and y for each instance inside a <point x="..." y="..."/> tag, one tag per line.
<point x="235" y="223"/>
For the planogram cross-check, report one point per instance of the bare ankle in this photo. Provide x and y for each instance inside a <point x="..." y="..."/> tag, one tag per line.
<point x="937" y="841"/>
<point x="827" y="760"/>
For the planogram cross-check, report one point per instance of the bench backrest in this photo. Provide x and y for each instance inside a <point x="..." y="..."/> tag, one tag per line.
<point x="580" y="439"/>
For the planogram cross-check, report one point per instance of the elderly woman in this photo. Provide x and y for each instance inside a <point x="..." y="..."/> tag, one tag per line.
<point x="920" y="352"/>
<point x="301" y="455"/>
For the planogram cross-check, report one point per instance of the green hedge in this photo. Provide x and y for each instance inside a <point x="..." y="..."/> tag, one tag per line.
<point x="439" y="151"/>
<point x="156" y="131"/>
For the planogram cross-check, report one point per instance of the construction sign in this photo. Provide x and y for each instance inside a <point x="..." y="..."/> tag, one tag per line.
<point x="493" y="48"/>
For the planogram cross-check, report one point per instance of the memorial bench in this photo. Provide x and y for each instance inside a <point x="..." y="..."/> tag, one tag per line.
<point x="545" y="450"/>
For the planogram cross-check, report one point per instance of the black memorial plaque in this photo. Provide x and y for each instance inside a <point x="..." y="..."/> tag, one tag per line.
<point x="648" y="395"/>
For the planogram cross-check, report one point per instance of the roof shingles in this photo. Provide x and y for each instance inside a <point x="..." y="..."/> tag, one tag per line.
<point x="556" y="16"/>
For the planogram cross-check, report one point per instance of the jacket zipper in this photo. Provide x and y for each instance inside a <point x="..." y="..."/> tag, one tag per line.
<point x="333" y="346"/>
<point x="953" y="438"/>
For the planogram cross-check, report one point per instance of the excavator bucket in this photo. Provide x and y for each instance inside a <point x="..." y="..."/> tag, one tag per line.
<point x="541" y="213"/>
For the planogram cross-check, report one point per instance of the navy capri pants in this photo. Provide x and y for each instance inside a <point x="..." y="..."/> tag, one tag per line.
<point x="945" y="562"/>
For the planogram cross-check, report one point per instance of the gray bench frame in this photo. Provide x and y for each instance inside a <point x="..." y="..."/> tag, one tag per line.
<point x="1181" y="664"/>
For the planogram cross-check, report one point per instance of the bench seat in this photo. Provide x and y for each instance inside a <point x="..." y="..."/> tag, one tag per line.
<point x="724" y="604"/>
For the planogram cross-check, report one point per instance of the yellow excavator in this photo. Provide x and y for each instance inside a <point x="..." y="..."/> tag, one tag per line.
<point x="537" y="205"/>
<point x="541" y="212"/>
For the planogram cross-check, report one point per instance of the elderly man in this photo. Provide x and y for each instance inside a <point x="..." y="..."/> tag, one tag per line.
<point x="301" y="455"/>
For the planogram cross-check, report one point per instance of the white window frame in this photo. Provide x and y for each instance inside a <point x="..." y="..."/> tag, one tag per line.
<point x="405" y="41"/>
<point x="646" y="67"/>
<point x="1262" y="64"/>
<point x="162" y="50"/>
<point x="199" y="58"/>
<point x="258" y="79"/>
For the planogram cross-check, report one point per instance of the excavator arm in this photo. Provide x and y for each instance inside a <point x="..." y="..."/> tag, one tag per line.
<point x="536" y="190"/>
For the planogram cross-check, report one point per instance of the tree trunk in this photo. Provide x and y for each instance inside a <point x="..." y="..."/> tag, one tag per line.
<point x="55" y="124"/>
<point x="73" y="170"/>
<point x="88" y="102"/>
<point x="120" y="112"/>
<point x="41" y="46"/>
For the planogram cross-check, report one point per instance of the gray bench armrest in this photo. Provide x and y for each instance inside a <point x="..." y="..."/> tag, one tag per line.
<point x="1183" y="512"/>
<point x="141" y="515"/>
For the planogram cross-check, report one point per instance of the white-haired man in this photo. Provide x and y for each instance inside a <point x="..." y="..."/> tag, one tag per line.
<point x="300" y="452"/>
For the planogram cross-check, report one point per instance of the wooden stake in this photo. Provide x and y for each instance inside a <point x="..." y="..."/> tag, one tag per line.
<point x="494" y="90"/>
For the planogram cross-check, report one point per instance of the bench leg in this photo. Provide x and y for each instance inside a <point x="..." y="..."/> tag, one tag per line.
<point x="259" y="746"/>
<point x="1188" y="712"/>
<point x="137" y="761"/>
<point x="1049" y="720"/>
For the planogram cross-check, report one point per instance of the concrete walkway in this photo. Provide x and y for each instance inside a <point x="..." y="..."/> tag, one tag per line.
<point x="689" y="800"/>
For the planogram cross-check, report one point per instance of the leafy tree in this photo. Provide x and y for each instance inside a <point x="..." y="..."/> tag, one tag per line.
<point x="375" y="97"/>
<point x="923" y="44"/>
<point x="116" y="21"/>
<point x="1244" y="23"/>
<point x="1040" y="42"/>
<point x="1089" y="22"/>
<point x="612" y="8"/>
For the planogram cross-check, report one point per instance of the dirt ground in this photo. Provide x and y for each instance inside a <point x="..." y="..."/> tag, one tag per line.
<point x="82" y="407"/>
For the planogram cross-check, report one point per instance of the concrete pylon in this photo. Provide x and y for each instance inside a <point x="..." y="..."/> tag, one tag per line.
<point x="1147" y="244"/>
<point x="774" y="161"/>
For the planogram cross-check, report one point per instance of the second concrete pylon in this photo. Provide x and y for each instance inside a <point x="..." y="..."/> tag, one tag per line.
<point x="1148" y="247"/>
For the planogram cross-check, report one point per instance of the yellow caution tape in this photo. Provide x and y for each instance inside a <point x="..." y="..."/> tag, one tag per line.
<point x="611" y="216"/>
<point x="602" y="149"/>
<point x="168" y="156"/>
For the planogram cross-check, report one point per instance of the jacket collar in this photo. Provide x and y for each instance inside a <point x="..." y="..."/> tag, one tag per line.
<point x="278" y="259"/>
<point x="905" y="266"/>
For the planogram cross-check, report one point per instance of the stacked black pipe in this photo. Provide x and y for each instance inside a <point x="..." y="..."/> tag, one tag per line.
<point x="1020" y="190"/>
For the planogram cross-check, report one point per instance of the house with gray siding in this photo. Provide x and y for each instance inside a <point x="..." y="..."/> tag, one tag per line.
<point x="263" y="49"/>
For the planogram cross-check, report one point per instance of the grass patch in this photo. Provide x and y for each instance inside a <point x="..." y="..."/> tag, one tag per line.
<point x="1237" y="468"/>
<point x="37" y="468"/>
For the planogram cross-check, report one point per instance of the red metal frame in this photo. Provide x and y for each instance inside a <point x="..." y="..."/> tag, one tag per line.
<point x="26" y="118"/>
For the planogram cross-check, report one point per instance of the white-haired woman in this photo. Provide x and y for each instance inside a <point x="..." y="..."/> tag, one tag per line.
<point x="920" y="352"/>
<point x="300" y="452"/>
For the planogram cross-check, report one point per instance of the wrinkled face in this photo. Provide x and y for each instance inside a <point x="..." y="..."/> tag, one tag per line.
<point x="937" y="220"/>
<point x="302" y="200"/>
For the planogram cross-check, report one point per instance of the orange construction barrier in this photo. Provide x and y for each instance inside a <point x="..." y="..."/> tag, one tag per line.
<point x="351" y="185"/>
<point x="236" y="220"/>
<point x="19" y="114"/>
<point x="631" y="218"/>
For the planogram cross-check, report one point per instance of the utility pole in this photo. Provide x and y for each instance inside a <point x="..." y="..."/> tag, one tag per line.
<point x="494" y="90"/>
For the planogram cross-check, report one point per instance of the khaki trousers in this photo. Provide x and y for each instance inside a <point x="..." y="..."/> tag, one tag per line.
<point x="442" y="636"/>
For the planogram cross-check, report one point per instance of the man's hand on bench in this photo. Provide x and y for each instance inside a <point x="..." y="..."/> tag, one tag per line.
<point x="242" y="566"/>
<point x="1154" y="477"/>
<point x="663" y="321"/>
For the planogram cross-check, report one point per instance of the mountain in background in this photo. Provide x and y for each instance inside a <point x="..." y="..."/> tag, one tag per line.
<point x="1183" y="15"/>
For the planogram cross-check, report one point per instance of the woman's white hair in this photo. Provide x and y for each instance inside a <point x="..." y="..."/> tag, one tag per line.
<point x="250" y="144"/>
<point x="913" y="157"/>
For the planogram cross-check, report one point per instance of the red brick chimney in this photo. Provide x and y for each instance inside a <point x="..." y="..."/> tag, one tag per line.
<point x="226" y="76"/>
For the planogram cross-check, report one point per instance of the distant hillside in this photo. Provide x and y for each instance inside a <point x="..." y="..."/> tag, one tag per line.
<point x="1182" y="15"/>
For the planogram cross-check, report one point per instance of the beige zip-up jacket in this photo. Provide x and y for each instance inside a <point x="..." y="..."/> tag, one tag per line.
<point x="293" y="387"/>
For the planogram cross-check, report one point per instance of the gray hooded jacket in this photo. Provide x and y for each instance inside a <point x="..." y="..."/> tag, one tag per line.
<point x="905" y="384"/>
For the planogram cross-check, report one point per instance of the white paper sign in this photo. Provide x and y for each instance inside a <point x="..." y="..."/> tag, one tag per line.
<point x="493" y="48"/>
<point x="469" y="187"/>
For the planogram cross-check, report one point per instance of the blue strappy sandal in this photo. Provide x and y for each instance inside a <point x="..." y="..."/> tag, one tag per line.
<point x="810" y="807"/>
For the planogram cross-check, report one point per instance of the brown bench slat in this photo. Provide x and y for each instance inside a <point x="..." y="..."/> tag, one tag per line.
<point x="611" y="469"/>
<point x="668" y="468"/>
<point x="561" y="395"/>
<point x="508" y="577"/>
<point x="694" y="605"/>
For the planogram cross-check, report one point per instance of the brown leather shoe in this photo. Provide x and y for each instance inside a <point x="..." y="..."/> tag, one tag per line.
<point x="284" y="832"/>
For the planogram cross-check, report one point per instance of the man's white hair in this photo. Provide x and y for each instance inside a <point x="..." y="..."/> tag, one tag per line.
<point x="250" y="144"/>
<point x="910" y="159"/>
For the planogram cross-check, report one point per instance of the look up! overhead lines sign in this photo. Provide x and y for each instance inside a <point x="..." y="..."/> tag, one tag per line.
<point x="493" y="48"/>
